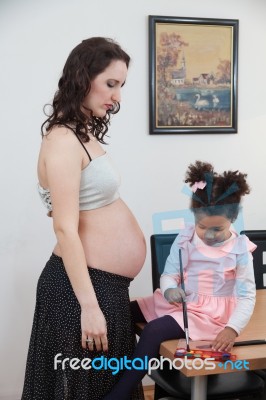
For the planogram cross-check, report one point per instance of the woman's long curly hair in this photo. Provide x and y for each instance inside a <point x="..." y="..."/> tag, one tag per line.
<point x="87" y="60"/>
<point x="222" y="193"/>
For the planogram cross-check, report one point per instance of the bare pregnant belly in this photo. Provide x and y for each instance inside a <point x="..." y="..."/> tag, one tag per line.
<point x="112" y="239"/>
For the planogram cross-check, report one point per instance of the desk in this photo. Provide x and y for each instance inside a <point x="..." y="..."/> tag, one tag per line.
<point x="255" y="355"/>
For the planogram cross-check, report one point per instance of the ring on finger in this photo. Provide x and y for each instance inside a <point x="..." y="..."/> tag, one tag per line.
<point x="89" y="341"/>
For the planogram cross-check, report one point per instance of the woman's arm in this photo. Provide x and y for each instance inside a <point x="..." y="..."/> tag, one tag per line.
<point x="63" y="163"/>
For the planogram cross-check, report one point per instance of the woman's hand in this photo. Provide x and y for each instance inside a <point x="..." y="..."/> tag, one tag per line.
<point x="93" y="329"/>
<point x="225" y="340"/>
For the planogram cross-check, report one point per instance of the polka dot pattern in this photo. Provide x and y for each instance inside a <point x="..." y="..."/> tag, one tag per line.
<point x="56" y="329"/>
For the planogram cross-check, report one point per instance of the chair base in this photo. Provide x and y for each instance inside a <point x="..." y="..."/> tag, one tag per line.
<point x="238" y="385"/>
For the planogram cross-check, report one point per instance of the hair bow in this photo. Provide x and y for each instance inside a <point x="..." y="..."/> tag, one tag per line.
<point x="198" y="185"/>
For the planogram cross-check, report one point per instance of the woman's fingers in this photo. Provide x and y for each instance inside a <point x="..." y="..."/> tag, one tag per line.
<point x="98" y="343"/>
<point x="90" y="343"/>
<point x="101" y="343"/>
<point x="93" y="330"/>
<point x="104" y="343"/>
<point x="84" y="341"/>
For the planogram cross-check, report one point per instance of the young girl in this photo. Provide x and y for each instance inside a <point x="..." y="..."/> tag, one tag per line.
<point x="218" y="275"/>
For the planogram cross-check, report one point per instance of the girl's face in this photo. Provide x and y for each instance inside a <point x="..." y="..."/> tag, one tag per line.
<point x="105" y="89"/>
<point x="212" y="229"/>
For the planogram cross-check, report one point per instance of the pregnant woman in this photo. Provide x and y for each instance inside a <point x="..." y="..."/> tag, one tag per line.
<point x="82" y="306"/>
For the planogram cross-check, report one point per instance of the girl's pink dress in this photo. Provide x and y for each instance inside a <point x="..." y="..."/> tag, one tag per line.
<point x="214" y="277"/>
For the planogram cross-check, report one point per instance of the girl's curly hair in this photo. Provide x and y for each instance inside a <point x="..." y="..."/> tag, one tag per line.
<point x="87" y="60"/>
<point x="222" y="193"/>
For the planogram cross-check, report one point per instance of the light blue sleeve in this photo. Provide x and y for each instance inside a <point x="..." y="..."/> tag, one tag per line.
<point x="245" y="293"/>
<point x="170" y="275"/>
<point x="172" y="261"/>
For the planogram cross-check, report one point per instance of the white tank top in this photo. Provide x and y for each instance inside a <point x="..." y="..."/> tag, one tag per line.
<point x="98" y="186"/>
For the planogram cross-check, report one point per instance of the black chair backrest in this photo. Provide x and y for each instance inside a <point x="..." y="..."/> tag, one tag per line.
<point x="160" y="249"/>
<point x="259" y="256"/>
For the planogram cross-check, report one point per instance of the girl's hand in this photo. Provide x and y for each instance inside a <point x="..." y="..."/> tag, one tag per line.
<point x="225" y="340"/>
<point x="93" y="329"/>
<point x="175" y="295"/>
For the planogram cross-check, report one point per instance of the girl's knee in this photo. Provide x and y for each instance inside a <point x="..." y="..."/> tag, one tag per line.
<point x="160" y="328"/>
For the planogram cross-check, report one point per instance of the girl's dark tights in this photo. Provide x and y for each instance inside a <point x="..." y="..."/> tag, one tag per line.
<point x="155" y="332"/>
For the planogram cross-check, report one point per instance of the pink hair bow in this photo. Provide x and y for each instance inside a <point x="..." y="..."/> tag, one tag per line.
<point x="198" y="185"/>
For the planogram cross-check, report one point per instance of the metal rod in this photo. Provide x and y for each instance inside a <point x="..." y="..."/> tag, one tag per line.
<point x="243" y="343"/>
<point x="184" y="304"/>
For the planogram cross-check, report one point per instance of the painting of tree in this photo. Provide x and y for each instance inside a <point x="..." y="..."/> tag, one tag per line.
<point x="168" y="53"/>
<point x="224" y="71"/>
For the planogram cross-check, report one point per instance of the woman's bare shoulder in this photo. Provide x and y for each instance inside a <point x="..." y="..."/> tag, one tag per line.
<point x="58" y="136"/>
<point x="58" y="146"/>
<point x="58" y="132"/>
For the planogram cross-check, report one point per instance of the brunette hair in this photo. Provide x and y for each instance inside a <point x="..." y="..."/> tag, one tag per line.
<point x="87" y="60"/>
<point x="222" y="193"/>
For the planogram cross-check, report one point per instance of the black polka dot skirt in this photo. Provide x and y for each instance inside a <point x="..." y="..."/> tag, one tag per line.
<point x="56" y="335"/>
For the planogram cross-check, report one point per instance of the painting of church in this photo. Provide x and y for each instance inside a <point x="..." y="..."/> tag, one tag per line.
<point x="178" y="76"/>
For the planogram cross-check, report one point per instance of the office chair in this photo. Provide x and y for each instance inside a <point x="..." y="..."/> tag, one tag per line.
<point x="259" y="259"/>
<point x="241" y="385"/>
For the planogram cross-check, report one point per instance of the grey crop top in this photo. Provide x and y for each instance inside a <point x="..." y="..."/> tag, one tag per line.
<point x="98" y="186"/>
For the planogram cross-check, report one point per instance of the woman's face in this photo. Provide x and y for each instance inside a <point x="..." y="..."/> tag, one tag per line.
<point x="105" y="89"/>
<point x="212" y="229"/>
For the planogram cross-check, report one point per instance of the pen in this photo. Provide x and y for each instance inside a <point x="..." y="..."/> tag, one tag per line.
<point x="184" y="304"/>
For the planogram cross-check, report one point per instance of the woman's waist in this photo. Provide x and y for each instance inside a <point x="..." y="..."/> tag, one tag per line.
<point x="55" y="272"/>
<point x="115" y="258"/>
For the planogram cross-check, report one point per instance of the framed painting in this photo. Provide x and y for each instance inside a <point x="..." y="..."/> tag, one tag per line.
<point x="193" y="68"/>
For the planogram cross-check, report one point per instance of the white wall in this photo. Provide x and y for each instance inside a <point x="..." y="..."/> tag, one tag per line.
<point x="35" y="39"/>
